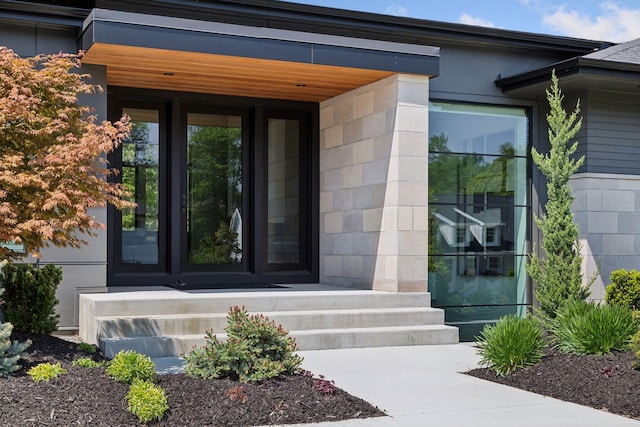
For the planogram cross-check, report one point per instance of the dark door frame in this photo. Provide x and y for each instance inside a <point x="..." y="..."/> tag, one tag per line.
<point x="255" y="271"/>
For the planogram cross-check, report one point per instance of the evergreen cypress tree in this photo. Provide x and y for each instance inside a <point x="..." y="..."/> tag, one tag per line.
<point x="10" y="352"/>
<point x="558" y="277"/>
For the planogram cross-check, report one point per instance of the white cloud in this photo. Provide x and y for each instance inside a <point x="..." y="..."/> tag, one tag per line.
<point x="615" y="23"/>
<point x="465" y="18"/>
<point x="397" y="10"/>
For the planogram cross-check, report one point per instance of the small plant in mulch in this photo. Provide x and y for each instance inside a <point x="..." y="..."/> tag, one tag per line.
<point x="324" y="386"/>
<point x="129" y="365"/>
<point x="147" y="401"/>
<point x="87" y="348"/>
<point x="256" y="349"/>
<point x="46" y="371"/>
<point x="237" y="394"/>
<point x="87" y="362"/>
<point x="320" y="384"/>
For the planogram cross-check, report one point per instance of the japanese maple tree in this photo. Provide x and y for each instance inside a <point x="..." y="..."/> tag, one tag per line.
<point x="53" y="165"/>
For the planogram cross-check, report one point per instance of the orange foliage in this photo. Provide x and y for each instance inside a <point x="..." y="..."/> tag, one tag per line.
<point x="53" y="164"/>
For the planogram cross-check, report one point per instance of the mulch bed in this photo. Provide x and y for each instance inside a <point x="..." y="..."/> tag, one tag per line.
<point x="86" y="396"/>
<point x="608" y="382"/>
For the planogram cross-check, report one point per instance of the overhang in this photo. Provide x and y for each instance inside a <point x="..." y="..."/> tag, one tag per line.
<point x="576" y="73"/>
<point x="150" y="51"/>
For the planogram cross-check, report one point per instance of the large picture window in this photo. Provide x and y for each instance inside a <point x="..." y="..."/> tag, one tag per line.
<point x="478" y="207"/>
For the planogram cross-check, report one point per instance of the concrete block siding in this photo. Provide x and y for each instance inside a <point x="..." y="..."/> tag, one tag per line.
<point x="373" y="186"/>
<point x="606" y="211"/>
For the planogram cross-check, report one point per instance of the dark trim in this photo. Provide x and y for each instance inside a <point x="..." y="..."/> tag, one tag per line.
<point x="570" y="67"/>
<point x="68" y="13"/>
<point x="145" y="36"/>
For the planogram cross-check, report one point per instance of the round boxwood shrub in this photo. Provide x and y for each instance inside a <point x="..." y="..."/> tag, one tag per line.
<point x="624" y="288"/>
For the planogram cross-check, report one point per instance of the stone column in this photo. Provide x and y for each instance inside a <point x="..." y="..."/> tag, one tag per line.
<point x="373" y="186"/>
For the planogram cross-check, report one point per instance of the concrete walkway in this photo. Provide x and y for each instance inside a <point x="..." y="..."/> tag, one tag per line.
<point x="423" y="386"/>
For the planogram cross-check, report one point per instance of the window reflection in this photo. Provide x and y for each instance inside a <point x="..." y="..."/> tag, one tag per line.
<point x="477" y="212"/>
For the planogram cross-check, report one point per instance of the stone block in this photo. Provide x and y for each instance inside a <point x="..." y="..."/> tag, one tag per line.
<point x="372" y="219"/>
<point x="332" y="222"/>
<point x="363" y="104"/>
<point x="627" y="223"/>
<point x="352" y="222"/>
<point x="343" y="244"/>
<point x="365" y="243"/>
<point x="375" y="172"/>
<point x="388" y="243"/>
<point x="618" y="244"/>
<point x="618" y="201"/>
<point x="331" y="180"/>
<point x="343" y="199"/>
<point x="412" y="169"/>
<point x="363" y="151"/>
<point x="364" y="197"/>
<point x="352" y="266"/>
<point x="412" y="243"/>
<point x="602" y="222"/>
<point x="332" y="265"/>
<point x="374" y="125"/>
<point x="414" y="92"/>
<point x="326" y="201"/>
<point x="331" y="137"/>
<point x="326" y="116"/>
<point x="412" y="118"/>
<point x="385" y="97"/>
<point x="352" y="176"/>
<point x="343" y="110"/>
<point x="390" y="218"/>
<point x="421" y="218"/>
<point x="412" y="193"/>
<point x="405" y="218"/>
<point x="352" y="130"/>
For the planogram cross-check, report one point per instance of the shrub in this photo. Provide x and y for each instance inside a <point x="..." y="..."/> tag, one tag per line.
<point x="87" y="362"/>
<point x="87" y="348"/>
<point x="10" y="352"/>
<point x="147" y="401"/>
<point x="256" y="349"/>
<point x="129" y="365"/>
<point x="46" y="371"/>
<point x="634" y="345"/>
<point x="586" y="328"/>
<point x="624" y="288"/>
<point x="510" y="344"/>
<point x="31" y="297"/>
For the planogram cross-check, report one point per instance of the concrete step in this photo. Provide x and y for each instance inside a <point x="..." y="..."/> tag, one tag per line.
<point x="94" y="307"/>
<point x="314" y="339"/>
<point x="188" y="324"/>
<point x="142" y="303"/>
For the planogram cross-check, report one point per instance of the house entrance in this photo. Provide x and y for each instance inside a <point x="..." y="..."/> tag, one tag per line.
<point x="224" y="194"/>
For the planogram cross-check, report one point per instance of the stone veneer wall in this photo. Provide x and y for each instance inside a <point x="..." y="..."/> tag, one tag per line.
<point x="607" y="211"/>
<point x="373" y="186"/>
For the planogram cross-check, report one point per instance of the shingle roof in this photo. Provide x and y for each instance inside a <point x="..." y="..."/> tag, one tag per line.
<point x="628" y="52"/>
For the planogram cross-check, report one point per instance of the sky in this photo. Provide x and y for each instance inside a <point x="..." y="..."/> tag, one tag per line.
<point x="612" y="20"/>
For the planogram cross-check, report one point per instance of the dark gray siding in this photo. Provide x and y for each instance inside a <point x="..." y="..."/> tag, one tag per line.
<point x="31" y="39"/>
<point x="612" y="128"/>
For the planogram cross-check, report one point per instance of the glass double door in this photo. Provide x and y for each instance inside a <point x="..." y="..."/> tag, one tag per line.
<point x="220" y="197"/>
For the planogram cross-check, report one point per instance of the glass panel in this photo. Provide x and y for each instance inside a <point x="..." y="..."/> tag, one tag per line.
<point x="477" y="211"/>
<point x="479" y="129"/>
<point x="283" y="234"/>
<point x="214" y="189"/>
<point x="459" y="178"/>
<point x="140" y="160"/>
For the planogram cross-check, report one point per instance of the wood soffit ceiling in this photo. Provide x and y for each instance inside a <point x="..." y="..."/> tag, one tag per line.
<point x="150" y="68"/>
